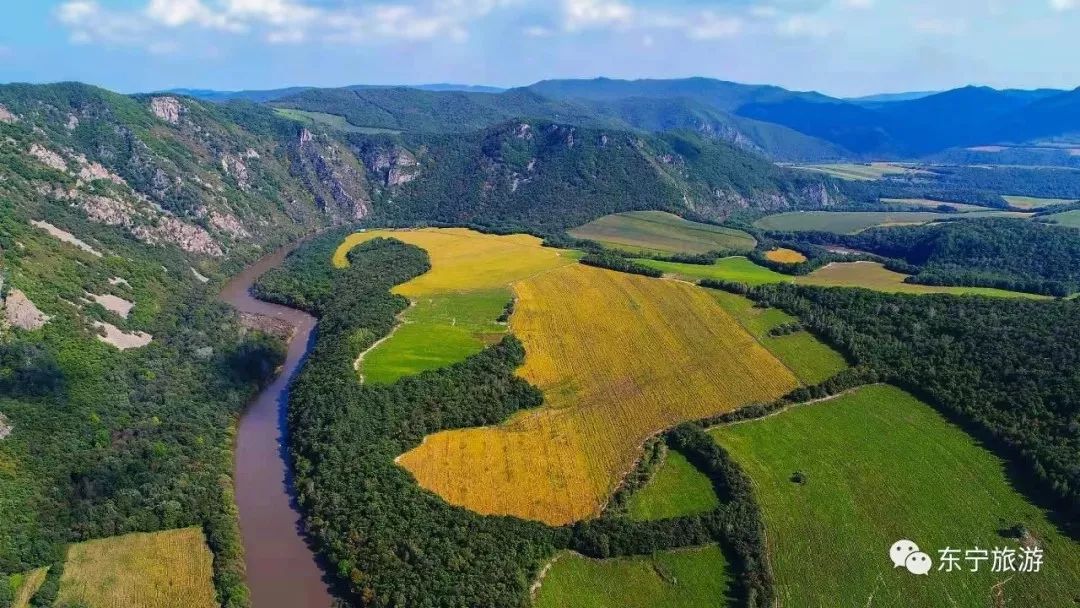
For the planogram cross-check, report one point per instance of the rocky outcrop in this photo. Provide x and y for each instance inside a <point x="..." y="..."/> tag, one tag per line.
<point x="113" y="335"/>
<point x="48" y="158"/>
<point x="6" y="116"/>
<point x="393" y="165"/>
<point x="112" y="303"/>
<point x="91" y="170"/>
<point x="5" y="427"/>
<point x="20" y="312"/>
<point x="188" y="237"/>
<point x="333" y="175"/>
<point x="227" y="223"/>
<point x="235" y="168"/>
<point x="66" y="237"/>
<point x="167" y="109"/>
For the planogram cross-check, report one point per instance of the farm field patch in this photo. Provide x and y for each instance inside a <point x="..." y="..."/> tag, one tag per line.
<point x="676" y="488"/>
<point x="329" y="120"/>
<point x="457" y="303"/>
<point x="660" y="232"/>
<point x="872" y="275"/>
<point x="737" y="268"/>
<point x="810" y="359"/>
<point x="859" y="171"/>
<point x="618" y="357"/>
<point x="157" y="570"/>
<point x="785" y="256"/>
<point x="1066" y="218"/>
<point x="881" y="466"/>
<point x="932" y="204"/>
<point x="695" y="578"/>
<point x="1032" y="202"/>
<point x="850" y="222"/>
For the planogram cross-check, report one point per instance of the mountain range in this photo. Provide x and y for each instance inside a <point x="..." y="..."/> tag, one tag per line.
<point x="784" y="125"/>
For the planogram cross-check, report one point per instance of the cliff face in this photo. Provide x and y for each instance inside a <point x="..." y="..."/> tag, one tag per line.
<point x="332" y="174"/>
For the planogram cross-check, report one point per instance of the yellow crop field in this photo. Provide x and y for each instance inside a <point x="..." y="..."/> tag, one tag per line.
<point x="618" y="357"/>
<point x="785" y="256"/>
<point x="158" y="570"/>
<point x="457" y="302"/>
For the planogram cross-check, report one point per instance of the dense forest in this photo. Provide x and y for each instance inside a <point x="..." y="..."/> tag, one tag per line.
<point x="994" y="252"/>
<point x="1005" y="370"/>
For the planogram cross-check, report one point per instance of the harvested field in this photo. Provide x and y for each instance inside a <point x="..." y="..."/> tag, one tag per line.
<point x="159" y="570"/>
<point x="619" y="357"/>
<point x="660" y="232"/>
<point x="873" y="275"/>
<point x="1032" y="202"/>
<point x="785" y="256"/>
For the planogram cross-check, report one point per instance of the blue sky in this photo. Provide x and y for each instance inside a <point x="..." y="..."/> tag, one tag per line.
<point x="840" y="47"/>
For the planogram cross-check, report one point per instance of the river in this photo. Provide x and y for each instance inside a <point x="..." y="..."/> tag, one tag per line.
<point x="282" y="571"/>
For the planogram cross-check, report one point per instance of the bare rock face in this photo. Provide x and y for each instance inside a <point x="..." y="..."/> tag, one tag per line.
<point x="66" y="237"/>
<point x="111" y="334"/>
<point x="20" y="312"/>
<point x="108" y="211"/>
<point x="333" y="176"/>
<point x="167" y="109"/>
<point x="91" y="170"/>
<point x="236" y="168"/>
<point x="227" y="223"/>
<point x="524" y="131"/>
<point x="5" y="427"/>
<point x="48" y="158"/>
<point x="6" y="115"/>
<point x="394" y="165"/>
<point x="72" y="122"/>
<point x="188" y="237"/>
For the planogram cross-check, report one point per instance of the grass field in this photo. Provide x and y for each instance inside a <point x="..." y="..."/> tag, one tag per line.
<point x="811" y="360"/>
<point x="1066" y="218"/>
<point x="25" y="585"/>
<point x="618" y="357"/>
<point x="677" y="488"/>
<point x="659" y="232"/>
<point x="736" y="268"/>
<point x="1031" y="202"/>
<point x="850" y="222"/>
<point x="455" y="304"/>
<point x="931" y="204"/>
<point x="881" y="466"/>
<point x="159" y="570"/>
<point x="858" y="172"/>
<point x="695" y="578"/>
<point x="785" y="256"/>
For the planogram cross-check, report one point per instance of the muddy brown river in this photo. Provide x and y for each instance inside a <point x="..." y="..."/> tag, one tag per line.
<point x="282" y="571"/>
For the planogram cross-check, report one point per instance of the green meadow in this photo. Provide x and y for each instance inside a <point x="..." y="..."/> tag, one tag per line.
<point x="676" y="488"/>
<point x="737" y="268"/>
<point x="880" y="466"/>
<point x="657" y="232"/>
<point x="693" y="578"/>
<point x="1066" y="218"/>
<point x="436" y="332"/>
<point x="850" y="222"/>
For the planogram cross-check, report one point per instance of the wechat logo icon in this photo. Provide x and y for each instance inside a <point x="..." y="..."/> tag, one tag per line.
<point x="906" y="554"/>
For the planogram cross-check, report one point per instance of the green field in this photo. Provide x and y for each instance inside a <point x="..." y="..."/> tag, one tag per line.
<point x="736" y="268"/>
<point x="696" y="578"/>
<point x="438" y="331"/>
<point x="858" y="172"/>
<point x="1066" y="218"/>
<point x="811" y="360"/>
<point x="882" y="466"/>
<point x="677" y="488"/>
<point x="333" y="121"/>
<point x="850" y="222"/>
<point x="1031" y="202"/>
<point x="656" y="232"/>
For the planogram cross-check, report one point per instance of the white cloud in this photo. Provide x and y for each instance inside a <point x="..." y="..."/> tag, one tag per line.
<point x="582" y="14"/>
<point x="935" y="26"/>
<point x="804" y="26"/>
<point x="1063" y="5"/>
<point x="858" y="4"/>
<point x="712" y="26"/>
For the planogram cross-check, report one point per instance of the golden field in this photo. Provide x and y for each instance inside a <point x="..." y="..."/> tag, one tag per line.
<point x="159" y="570"/>
<point x="618" y="357"/>
<point x="785" y="256"/>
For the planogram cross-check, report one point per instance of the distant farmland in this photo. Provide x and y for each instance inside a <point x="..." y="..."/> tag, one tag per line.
<point x="860" y="172"/>
<point x="676" y="488"/>
<point x="618" y="357"/>
<point x="785" y="256"/>
<point x="880" y="466"/>
<point x="159" y="570"/>
<point x="457" y="303"/>
<point x="850" y="222"/>
<point x="659" y="232"/>
<point x="1066" y="218"/>
<point x="1031" y="202"/>
<point x="693" y="578"/>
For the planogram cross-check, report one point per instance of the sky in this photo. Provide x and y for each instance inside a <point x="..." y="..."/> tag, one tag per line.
<point x="839" y="47"/>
